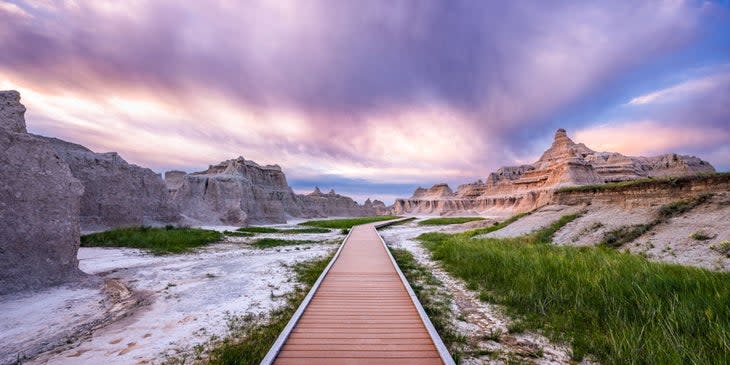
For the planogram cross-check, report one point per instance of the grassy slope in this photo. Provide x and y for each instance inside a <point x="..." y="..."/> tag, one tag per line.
<point x="252" y="336"/>
<point x="618" y="307"/>
<point x="449" y="220"/>
<point x="156" y="240"/>
<point x="347" y="222"/>
<point x="645" y="183"/>
<point x="622" y="235"/>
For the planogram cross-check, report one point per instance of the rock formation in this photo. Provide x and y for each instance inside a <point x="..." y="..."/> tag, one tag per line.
<point x="317" y="204"/>
<point x="116" y="193"/>
<point x="39" y="207"/>
<point x="240" y="192"/>
<point x="233" y="192"/>
<point x="522" y="188"/>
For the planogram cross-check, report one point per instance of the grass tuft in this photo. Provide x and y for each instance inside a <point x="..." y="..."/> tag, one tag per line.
<point x="722" y="248"/>
<point x="448" y="220"/>
<point x="347" y="222"/>
<point x="618" y="307"/>
<point x="166" y="240"/>
<point x="700" y="236"/>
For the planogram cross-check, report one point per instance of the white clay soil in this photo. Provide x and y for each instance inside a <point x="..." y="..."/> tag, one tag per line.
<point x="151" y="306"/>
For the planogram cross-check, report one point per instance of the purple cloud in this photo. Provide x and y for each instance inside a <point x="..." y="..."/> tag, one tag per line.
<point x="344" y="75"/>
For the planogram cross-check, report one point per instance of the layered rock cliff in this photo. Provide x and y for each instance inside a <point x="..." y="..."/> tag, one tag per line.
<point x="240" y="192"/>
<point x="116" y="193"/>
<point x="39" y="207"/>
<point x="521" y="188"/>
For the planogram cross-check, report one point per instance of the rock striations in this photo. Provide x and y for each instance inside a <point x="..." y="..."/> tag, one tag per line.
<point x="39" y="206"/>
<point x="240" y="192"/>
<point x="523" y="188"/>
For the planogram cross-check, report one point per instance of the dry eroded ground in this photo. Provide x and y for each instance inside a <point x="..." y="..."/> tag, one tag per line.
<point x="178" y="301"/>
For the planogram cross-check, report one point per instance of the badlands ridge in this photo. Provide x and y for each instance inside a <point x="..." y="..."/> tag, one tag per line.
<point x="517" y="189"/>
<point x="53" y="190"/>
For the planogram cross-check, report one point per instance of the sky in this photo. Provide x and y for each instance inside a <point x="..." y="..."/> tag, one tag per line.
<point x="371" y="98"/>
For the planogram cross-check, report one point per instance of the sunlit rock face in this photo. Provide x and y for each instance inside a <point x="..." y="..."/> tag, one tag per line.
<point x="240" y="192"/>
<point x="522" y="188"/>
<point x="39" y="207"/>
<point x="116" y="193"/>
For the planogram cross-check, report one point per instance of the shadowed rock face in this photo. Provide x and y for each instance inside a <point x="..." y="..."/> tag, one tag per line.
<point x="514" y="189"/>
<point x="240" y="192"/>
<point x="116" y="193"/>
<point x="39" y="207"/>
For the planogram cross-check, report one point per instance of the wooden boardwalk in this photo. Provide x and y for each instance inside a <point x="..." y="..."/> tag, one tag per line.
<point x="360" y="311"/>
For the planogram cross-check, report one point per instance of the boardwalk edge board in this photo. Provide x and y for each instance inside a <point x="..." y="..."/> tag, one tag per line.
<point x="440" y="346"/>
<point x="284" y="335"/>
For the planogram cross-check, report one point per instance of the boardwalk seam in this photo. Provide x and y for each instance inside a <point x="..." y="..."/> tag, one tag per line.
<point x="284" y="335"/>
<point x="440" y="346"/>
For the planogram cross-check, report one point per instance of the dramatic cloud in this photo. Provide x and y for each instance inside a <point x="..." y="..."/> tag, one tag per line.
<point x="392" y="92"/>
<point x="692" y="117"/>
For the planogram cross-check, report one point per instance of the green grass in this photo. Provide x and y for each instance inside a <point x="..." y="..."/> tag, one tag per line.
<point x="237" y="234"/>
<point x="251" y="336"/>
<point x="398" y="223"/>
<point x="258" y="230"/>
<point x="434" y="299"/>
<point x="284" y="231"/>
<point x="347" y="222"/>
<point x="167" y="240"/>
<point x="277" y="242"/>
<point x="645" y="183"/>
<point x="618" y="307"/>
<point x="438" y="236"/>
<point x="449" y="220"/>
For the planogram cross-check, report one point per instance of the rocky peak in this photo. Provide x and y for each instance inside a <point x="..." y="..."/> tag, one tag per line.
<point x="12" y="112"/>
<point x="437" y="191"/>
<point x="316" y="192"/>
